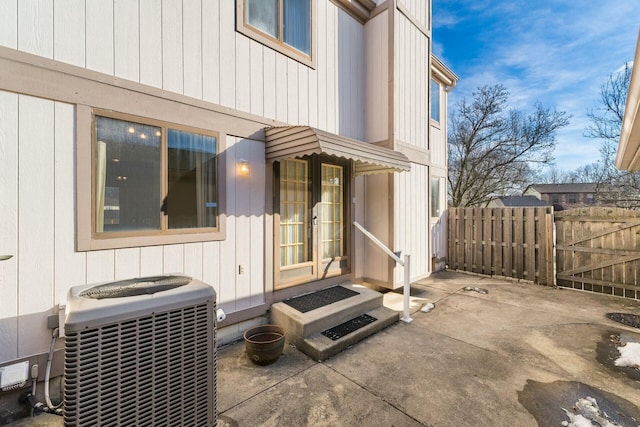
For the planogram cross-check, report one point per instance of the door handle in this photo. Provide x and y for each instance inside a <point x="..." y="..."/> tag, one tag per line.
<point x="315" y="220"/>
<point x="5" y="257"/>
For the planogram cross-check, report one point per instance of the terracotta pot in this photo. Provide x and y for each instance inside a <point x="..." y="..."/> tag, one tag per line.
<point x="264" y="344"/>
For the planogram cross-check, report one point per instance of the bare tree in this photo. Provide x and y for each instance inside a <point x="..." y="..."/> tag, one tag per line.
<point x="492" y="149"/>
<point x="614" y="187"/>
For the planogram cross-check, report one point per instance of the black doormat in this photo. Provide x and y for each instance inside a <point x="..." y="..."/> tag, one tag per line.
<point x="349" y="326"/>
<point x="305" y="303"/>
<point x="632" y="320"/>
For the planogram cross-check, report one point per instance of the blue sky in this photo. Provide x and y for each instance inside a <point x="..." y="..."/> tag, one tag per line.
<point x="557" y="52"/>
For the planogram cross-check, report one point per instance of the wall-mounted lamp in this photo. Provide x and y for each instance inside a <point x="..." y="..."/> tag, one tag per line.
<point x="243" y="167"/>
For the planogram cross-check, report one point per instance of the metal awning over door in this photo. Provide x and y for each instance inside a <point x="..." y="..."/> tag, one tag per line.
<point x="289" y="142"/>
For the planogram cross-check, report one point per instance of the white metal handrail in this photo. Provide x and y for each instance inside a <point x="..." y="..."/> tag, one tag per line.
<point x="406" y="263"/>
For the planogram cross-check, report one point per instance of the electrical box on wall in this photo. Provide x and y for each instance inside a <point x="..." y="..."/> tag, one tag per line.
<point x="14" y="376"/>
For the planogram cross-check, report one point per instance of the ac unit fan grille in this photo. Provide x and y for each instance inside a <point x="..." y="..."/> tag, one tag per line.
<point x="155" y="370"/>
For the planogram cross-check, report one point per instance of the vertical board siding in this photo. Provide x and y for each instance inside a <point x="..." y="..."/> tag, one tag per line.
<point x="183" y="46"/>
<point x="173" y="259"/>
<point x="411" y="74"/>
<point x="192" y="45"/>
<point x="9" y="225"/>
<point x="377" y="79"/>
<point x="126" y="263"/>
<point x="411" y="222"/>
<point x="351" y="77"/>
<point x="227" y="54"/>
<point x="172" y="46"/>
<point x="35" y="27"/>
<point x="69" y="32"/>
<point x="333" y="108"/>
<point x="377" y="222"/>
<point x="269" y="83"/>
<point x="70" y="266"/>
<point x="126" y="34"/>
<point x="243" y="74"/>
<point x="151" y="42"/>
<point x="9" y="27"/>
<point x="321" y="58"/>
<point x="99" y="37"/>
<point x="438" y="147"/>
<point x="292" y="92"/>
<point x="193" y="261"/>
<point x="256" y="80"/>
<point x="507" y="242"/>
<point x="151" y="260"/>
<point x="35" y="220"/>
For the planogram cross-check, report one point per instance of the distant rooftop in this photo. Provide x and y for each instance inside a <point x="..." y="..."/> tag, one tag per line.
<point x="520" y="201"/>
<point x="589" y="187"/>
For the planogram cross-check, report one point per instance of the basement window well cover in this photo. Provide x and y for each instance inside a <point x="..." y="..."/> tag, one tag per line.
<point x="138" y="286"/>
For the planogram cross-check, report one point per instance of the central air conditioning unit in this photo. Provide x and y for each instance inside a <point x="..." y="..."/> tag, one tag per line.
<point x="141" y="352"/>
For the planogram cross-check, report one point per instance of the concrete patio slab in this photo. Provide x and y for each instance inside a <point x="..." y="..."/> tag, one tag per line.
<point x="515" y="356"/>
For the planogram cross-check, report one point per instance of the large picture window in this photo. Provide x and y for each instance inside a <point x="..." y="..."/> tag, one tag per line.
<point x="152" y="178"/>
<point x="285" y="25"/>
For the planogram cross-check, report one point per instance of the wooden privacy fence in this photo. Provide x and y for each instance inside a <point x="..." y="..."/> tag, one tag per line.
<point x="508" y="242"/>
<point x="598" y="249"/>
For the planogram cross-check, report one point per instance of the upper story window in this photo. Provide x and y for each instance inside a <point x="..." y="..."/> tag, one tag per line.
<point x="435" y="197"/>
<point x="435" y="101"/>
<point x="152" y="183"/>
<point x="284" y="25"/>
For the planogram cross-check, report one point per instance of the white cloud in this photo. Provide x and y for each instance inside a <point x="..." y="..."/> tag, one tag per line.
<point x="555" y="52"/>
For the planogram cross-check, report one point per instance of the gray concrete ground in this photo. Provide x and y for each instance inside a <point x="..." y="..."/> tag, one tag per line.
<point x="514" y="356"/>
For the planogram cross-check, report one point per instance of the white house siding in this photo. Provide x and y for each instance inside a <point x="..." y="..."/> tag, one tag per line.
<point x="411" y="220"/>
<point x="377" y="78"/>
<point x="438" y="142"/>
<point x="411" y="83"/>
<point x="38" y="207"/>
<point x="411" y="127"/>
<point x="189" y="47"/>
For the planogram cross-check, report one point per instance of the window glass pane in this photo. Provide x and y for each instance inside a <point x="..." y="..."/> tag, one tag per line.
<point x="435" y="101"/>
<point x="297" y="25"/>
<point x="331" y="201"/>
<point x="127" y="176"/>
<point x="294" y="187"/>
<point x="192" y="195"/>
<point x="263" y="15"/>
<point x="435" y="197"/>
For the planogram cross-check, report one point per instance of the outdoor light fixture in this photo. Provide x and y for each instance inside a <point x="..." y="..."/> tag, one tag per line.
<point x="243" y="167"/>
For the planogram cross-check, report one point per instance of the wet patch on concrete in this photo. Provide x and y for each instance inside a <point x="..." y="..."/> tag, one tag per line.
<point x="553" y="404"/>
<point x="626" y="319"/>
<point x="607" y="352"/>
<point x="476" y="289"/>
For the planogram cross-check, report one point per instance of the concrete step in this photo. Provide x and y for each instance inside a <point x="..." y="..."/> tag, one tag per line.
<point x="304" y="329"/>
<point x="320" y="348"/>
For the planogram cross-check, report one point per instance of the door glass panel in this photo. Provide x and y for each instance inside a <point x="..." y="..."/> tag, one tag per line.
<point x="332" y="208"/>
<point x="294" y="204"/>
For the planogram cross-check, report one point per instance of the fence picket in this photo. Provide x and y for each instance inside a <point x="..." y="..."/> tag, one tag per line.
<point x="511" y="242"/>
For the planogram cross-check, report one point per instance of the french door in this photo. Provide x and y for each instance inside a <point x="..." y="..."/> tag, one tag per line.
<point x="312" y="220"/>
